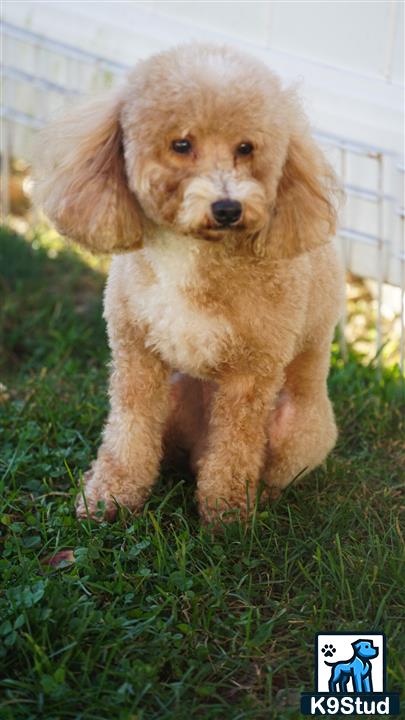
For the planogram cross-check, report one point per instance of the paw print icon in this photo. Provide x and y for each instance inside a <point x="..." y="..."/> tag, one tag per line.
<point x="328" y="650"/>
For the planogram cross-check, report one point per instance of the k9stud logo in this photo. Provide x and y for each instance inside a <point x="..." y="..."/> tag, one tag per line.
<point x="350" y="676"/>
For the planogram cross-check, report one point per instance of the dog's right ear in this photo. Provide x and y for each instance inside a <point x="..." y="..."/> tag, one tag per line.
<point x="305" y="209"/>
<point x="81" y="182"/>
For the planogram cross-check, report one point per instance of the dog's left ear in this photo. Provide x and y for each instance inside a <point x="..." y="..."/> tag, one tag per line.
<point x="304" y="214"/>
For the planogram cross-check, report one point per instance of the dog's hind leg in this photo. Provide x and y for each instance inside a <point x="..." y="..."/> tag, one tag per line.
<point x="302" y="428"/>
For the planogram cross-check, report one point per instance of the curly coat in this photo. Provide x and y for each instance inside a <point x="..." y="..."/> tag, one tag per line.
<point x="220" y="335"/>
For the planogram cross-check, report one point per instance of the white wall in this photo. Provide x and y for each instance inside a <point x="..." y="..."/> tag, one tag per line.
<point x="346" y="56"/>
<point x="357" y="36"/>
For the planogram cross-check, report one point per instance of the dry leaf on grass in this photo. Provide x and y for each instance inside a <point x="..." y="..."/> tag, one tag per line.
<point x="61" y="559"/>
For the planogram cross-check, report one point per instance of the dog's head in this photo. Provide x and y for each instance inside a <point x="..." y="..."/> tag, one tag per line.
<point x="365" y="649"/>
<point x="201" y="139"/>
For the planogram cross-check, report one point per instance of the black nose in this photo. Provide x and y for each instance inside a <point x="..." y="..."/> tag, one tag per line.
<point x="226" y="212"/>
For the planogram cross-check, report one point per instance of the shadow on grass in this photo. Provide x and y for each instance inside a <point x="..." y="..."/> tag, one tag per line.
<point x="53" y="362"/>
<point x="50" y="310"/>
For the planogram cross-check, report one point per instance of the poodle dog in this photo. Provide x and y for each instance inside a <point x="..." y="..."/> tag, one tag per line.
<point x="200" y="177"/>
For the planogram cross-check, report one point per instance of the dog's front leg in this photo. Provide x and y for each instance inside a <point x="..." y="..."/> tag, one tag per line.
<point x="128" y="458"/>
<point x="229" y="470"/>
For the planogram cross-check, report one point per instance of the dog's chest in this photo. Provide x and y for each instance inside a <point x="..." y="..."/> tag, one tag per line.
<point x="187" y="336"/>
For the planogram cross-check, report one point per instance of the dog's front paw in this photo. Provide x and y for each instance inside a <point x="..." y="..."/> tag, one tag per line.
<point x="217" y="511"/>
<point x="231" y="505"/>
<point x="94" y="501"/>
<point x="225" y="496"/>
<point x="107" y="486"/>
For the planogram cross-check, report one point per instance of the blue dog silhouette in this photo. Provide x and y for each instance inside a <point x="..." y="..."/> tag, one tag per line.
<point x="358" y="668"/>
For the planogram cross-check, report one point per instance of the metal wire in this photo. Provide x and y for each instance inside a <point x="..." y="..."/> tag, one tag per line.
<point x="380" y="262"/>
<point x="68" y="51"/>
<point x="401" y="258"/>
<point x="343" y="321"/>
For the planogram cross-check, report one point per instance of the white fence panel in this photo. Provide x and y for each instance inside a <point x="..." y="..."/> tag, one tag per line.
<point x="346" y="57"/>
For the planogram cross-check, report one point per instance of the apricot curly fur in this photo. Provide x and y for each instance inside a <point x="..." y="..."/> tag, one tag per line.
<point x="220" y="335"/>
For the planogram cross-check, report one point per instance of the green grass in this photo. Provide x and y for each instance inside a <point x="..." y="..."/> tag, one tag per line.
<point x="157" y="618"/>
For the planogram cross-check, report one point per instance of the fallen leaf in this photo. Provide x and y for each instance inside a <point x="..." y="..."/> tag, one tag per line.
<point x="61" y="559"/>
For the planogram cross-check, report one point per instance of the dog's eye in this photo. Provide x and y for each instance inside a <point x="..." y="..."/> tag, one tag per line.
<point x="245" y="148"/>
<point x="183" y="146"/>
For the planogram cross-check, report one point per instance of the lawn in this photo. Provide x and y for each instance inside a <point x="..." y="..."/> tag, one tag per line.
<point x="154" y="616"/>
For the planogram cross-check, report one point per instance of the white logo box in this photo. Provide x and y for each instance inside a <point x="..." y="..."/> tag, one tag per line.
<point x="342" y="642"/>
